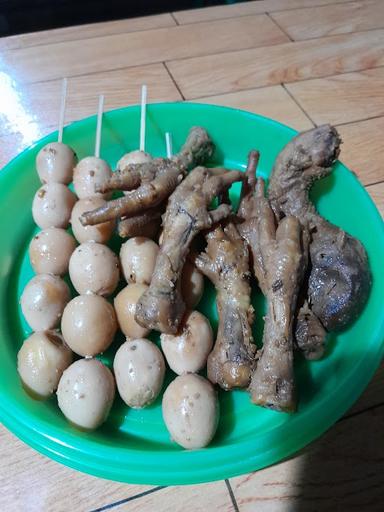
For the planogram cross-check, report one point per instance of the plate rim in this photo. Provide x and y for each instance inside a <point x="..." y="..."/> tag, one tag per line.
<point x="48" y="446"/>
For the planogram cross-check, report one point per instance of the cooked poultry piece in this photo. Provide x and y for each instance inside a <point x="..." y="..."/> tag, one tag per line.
<point x="339" y="280"/>
<point x="161" y="307"/>
<point x="278" y="262"/>
<point x="309" y="334"/>
<point x="152" y="182"/>
<point x="225" y="263"/>
<point x="146" y="223"/>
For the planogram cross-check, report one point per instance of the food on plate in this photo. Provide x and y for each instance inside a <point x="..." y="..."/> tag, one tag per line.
<point x="162" y="307"/>
<point x="278" y="259"/>
<point x="52" y="206"/>
<point x="133" y="157"/>
<point x="94" y="268"/>
<point x="309" y="332"/>
<point x="225" y="263"/>
<point x="41" y="361"/>
<point x="43" y="301"/>
<point x="138" y="257"/>
<point x="50" y="250"/>
<point x="187" y="351"/>
<point x="151" y="183"/>
<point x="146" y="223"/>
<point x="89" y="174"/>
<point x="88" y="325"/>
<point x="192" y="285"/>
<point x="55" y="163"/>
<point x="139" y="371"/>
<point x="125" y="306"/>
<point x="191" y="411"/>
<point x="100" y="233"/>
<point x="339" y="279"/>
<point x="85" y="393"/>
<point x="314" y="276"/>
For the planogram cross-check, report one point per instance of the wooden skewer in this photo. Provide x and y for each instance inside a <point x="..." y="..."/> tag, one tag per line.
<point x="143" y="116"/>
<point x="62" y="109"/>
<point x="99" y="125"/>
<point x="168" y="143"/>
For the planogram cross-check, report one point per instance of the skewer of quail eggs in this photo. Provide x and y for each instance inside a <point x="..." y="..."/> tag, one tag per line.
<point x="86" y="387"/>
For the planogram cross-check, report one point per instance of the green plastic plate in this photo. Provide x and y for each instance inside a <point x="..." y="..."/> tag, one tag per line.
<point x="133" y="445"/>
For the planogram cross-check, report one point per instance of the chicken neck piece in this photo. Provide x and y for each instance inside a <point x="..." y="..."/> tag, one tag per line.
<point x="339" y="279"/>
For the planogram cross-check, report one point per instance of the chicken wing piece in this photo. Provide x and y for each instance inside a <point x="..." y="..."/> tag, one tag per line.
<point x="151" y="183"/>
<point x="225" y="263"/>
<point x="161" y="307"/>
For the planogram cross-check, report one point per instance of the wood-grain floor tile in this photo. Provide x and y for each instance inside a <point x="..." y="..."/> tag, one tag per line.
<point x="272" y="102"/>
<point x="289" y="62"/>
<point x="13" y="144"/>
<point x="87" y="31"/>
<point x="377" y="194"/>
<point x="362" y="149"/>
<point x="373" y="394"/>
<point x="30" y="105"/>
<point x="342" y="98"/>
<point x="197" y="498"/>
<point x="34" y="483"/>
<point x="244" y="9"/>
<point x="98" y="54"/>
<point x="331" y="19"/>
<point x="341" y="471"/>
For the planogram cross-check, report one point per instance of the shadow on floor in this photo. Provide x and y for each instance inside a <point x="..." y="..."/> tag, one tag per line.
<point x="344" y="470"/>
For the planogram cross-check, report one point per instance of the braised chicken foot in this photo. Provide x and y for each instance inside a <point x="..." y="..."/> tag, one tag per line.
<point x="225" y="263"/>
<point x="152" y="182"/>
<point x="278" y="259"/>
<point x="161" y="307"/>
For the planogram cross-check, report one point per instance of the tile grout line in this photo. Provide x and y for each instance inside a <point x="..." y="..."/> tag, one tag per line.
<point x="181" y="59"/>
<point x="194" y="98"/>
<point x="118" y="33"/>
<point x="231" y="495"/>
<point x="131" y="498"/>
<point x="334" y="35"/>
<point x="63" y="41"/>
<point x="174" y="18"/>
<point x="374" y="183"/>
<point x="279" y="27"/>
<point x="346" y="123"/>
<point x="266" y="46"/>
<point x="338" y="2"/>
<point x="298" y="104"/>
<point x="357" y="413"/>
<point x="330" y="4"/>
<point x="173" y="80"/>
<point x="125" y="32"/>
<point x="159" y="61"/>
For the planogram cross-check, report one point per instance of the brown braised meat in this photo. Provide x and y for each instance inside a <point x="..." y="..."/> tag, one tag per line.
<point x="339" y="279"/>
<point x="309" y="333"/>
<point x="225" y="263"/>
<point x="161" y="307"/>
<point x="146" y="223"/>
<point x="151" y="183"/>
<point x="278" y="262"/>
